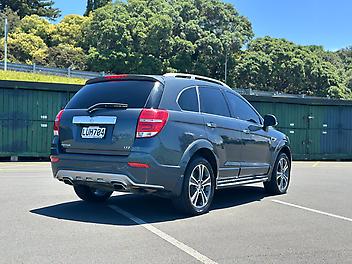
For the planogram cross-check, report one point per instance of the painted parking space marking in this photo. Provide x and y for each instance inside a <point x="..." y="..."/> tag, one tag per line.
<point x="316" y="164"/>
<point x="190" y="251"/>
<point x="313" y="210"/>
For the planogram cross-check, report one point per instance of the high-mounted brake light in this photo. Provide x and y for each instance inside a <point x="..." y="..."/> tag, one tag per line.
<point x="57" y="122"/>
<point x="151" y="122"/>
<point x="112" y="77"/>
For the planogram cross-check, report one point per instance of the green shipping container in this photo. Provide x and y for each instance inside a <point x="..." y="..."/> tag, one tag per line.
<point x="27" y="114"/>
<point x="318" y="128"/>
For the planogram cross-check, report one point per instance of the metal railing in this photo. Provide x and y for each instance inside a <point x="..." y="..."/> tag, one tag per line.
<point x="88" y="75"/>
<point x="249" y="91"/>
<point x="52" y="71"/>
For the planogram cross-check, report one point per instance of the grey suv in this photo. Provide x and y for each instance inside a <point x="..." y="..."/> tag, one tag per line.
<point x="178" y="136"/>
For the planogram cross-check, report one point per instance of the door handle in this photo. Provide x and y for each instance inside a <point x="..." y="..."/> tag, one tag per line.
<point x="211" y="125"/>
<point x="246" y="131"/>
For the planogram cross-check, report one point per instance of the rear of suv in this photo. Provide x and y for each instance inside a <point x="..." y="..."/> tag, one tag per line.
<point x="178" y="136"/>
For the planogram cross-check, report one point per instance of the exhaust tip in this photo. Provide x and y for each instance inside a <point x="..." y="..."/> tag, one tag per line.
<point x="68" y="181"/>
<point x="119" y="187"/>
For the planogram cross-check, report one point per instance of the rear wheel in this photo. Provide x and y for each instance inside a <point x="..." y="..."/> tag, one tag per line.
<point x="90" y="194"/>
<point x="198" y="188"/>
<point x="280" y="177"/>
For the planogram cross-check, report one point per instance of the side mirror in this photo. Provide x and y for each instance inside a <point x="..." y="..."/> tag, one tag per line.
<point x="269" y="120"/>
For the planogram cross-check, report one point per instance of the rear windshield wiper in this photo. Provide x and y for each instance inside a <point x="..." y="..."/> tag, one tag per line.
<point x="106" y="105"/>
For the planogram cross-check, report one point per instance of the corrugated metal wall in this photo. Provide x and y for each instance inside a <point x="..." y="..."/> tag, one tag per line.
<point x="27" y="113"/>
<point x="318" y="128"/>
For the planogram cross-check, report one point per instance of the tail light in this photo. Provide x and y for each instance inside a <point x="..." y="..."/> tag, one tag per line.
<point x="57" y="123"/>
<point x="54" y="159"/>
<point x="138" y="165"/>
<point x="151" y="122"/>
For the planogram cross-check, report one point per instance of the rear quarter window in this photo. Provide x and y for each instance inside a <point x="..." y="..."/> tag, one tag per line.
<point x="133" y="93"/>
<point x="188" y="100"/>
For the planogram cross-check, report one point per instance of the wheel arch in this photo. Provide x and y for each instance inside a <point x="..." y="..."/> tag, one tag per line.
<point x="282" y="147"/>
<point x="200" y="148"/>
<point x="286" y="149"/>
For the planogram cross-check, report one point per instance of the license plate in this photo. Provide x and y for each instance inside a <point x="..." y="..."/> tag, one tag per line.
<point x="93" y="132"/>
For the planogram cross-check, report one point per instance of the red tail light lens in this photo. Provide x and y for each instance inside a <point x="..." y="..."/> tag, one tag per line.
<point x="57" y="123"/>
<point x="151" y="122"/>
<point x="54" y="159"/>
<point x="113" y="77"/>
<point x="138" y="165"/>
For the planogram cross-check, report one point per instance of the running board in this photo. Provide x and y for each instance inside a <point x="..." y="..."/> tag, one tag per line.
<point x="236" y="182"/>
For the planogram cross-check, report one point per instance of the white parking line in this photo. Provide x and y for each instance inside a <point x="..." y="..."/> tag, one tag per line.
<point x="313" y="210"/>
<point x="316" y="164"/>
<point x="190" y="251"/>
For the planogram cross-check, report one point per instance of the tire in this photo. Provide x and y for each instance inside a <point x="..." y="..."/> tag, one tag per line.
<point x="90" y="194"/>
<point x="280" y="177"/>
<point x="198" y="188"/>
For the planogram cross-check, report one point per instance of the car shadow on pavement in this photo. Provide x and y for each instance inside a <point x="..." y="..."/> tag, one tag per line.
<point x="150" y="208"/>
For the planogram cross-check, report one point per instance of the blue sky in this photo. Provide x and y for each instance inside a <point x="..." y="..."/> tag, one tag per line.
<point x="306" y="22"/>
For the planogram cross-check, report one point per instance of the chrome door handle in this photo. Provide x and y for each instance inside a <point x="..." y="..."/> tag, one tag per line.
<point x="247" y="131"/>
<point x="211" y="125"/>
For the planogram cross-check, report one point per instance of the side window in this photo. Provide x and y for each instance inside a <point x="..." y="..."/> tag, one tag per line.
<point x="213" y="102"/>
<point x="188" y="100"/>
<point x="241" y="109"/>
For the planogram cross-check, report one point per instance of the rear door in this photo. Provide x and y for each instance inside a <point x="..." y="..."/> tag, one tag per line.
<point x="222" y="130"/>
<point x="105" y="129"/>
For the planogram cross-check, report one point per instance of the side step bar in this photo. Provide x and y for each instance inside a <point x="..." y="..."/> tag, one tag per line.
<point x="224" y="183"/>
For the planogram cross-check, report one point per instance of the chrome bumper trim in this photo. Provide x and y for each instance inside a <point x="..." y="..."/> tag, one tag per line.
<point x="103" y="178"/>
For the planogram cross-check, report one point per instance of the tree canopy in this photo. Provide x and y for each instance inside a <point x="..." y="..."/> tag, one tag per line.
<point x="95" y="4"/>
<point x="43" y="8"/>
<point x="277" y="64"/>
<point x="158" y="36"/>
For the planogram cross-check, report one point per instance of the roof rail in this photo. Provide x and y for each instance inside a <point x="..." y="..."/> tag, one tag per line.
<point x="195" y="77"/>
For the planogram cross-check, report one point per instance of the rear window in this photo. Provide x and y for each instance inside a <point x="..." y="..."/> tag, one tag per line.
<point x="133" y="93"/>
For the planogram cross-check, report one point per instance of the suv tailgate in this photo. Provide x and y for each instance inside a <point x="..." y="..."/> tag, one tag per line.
<point x="105" y="130"/>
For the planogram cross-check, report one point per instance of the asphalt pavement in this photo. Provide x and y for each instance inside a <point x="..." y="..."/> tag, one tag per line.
<point x="42" y="221"/>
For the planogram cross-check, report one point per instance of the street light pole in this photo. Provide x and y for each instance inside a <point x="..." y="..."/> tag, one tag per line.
<point x="225" y="67"/>
<point x="5" y="45"/>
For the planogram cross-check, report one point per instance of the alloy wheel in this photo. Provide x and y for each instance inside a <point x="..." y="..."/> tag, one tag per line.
<point x="200" y="186"/>
<point x="282" y="174"/>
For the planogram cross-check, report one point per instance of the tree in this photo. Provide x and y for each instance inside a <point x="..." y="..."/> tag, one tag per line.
<point x="279" y="65"/>
<point x="27" y="48"/>
<point x="42" y="8"/>
<point x="157" y="36"/>
<point x="70" y="30"/>
<point x="95" y="4"/>
<point x="214" y="29"/>
<point x="67" y="56"/>
<point x="37" y="26"/>
<point x="12" y="19"/>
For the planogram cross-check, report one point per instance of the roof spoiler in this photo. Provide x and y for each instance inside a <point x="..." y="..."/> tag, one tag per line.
<point x="125" y="77"/>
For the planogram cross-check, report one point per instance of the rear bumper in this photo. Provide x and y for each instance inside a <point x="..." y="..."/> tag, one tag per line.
<point x="113" y="173"/>
<point x="118" y="182"/>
